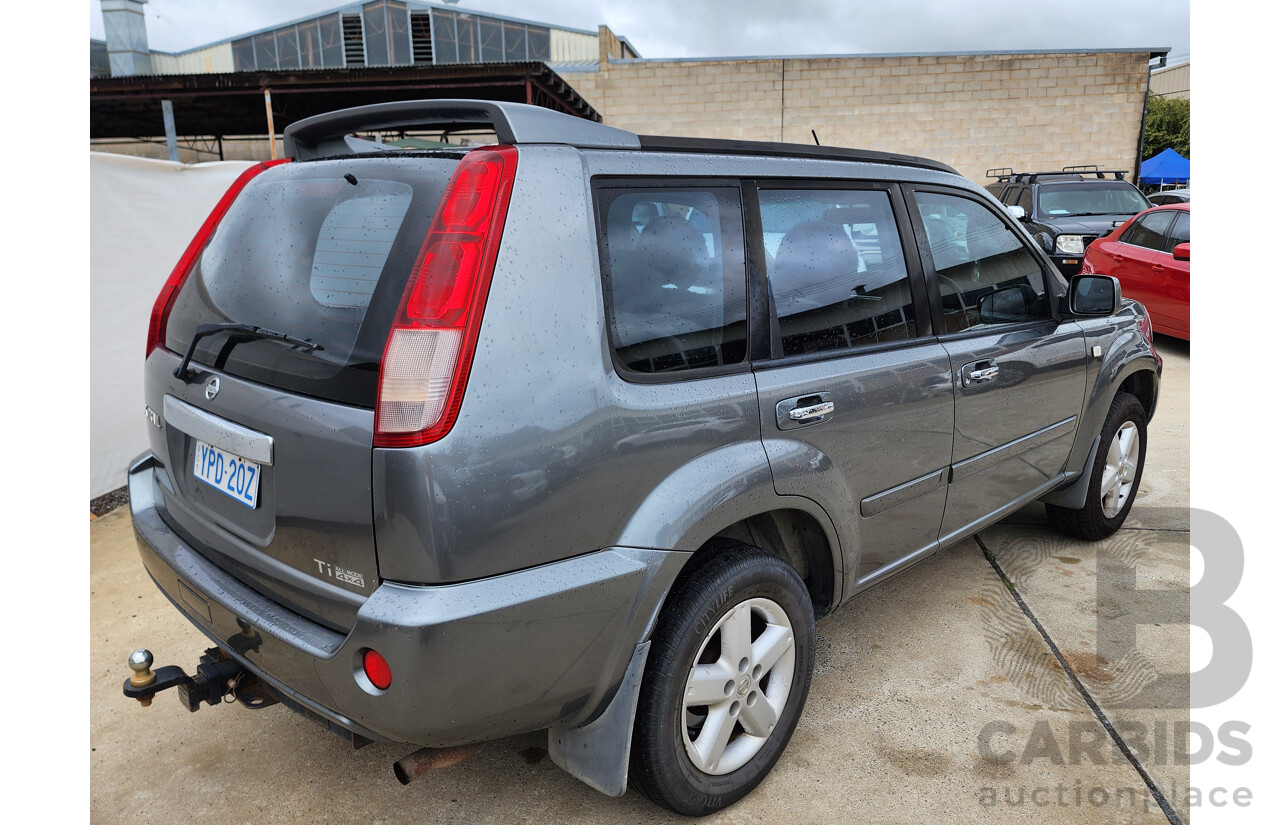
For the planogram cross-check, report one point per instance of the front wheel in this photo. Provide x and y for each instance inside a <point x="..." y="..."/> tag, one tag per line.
<point x="1117" y="472"/>
<point x="727" y="677"/>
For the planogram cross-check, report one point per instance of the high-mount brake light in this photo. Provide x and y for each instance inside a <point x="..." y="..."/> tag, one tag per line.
<point x="428" y="355"/>
<point x="164" y="302"/>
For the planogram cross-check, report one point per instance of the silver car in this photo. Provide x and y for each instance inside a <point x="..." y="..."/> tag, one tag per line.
<point x="582" y="431"/>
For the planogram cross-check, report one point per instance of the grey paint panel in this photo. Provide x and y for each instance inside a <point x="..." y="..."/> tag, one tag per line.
<point x="892" y="425"/>
<point x="553" y="454"/>
<point x="557" y="639"/>
<point x="992" y="457"/>
<point x="880" y="502"/>
<point x="309" y="541"/>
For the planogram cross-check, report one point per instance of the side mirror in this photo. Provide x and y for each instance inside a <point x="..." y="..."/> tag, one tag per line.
<point x="1018" y="213"/>
<point x="1182" y="252"/>
<point x="1007" y="305"/>
<point x="1045" y="241"/>
<point x="1094" y="295"/>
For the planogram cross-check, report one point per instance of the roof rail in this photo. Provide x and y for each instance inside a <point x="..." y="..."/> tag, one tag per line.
<point x="326" y="135"/>
<point x="1001" y="172"/>
<point x="712" y="146"/>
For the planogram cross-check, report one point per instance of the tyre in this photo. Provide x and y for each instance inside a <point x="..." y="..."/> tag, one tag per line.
<point x="727" y="677"/>
<point x="1117" y="472"/>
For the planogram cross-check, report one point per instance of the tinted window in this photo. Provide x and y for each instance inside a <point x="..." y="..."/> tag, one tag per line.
<point x="675" y="280"/>
<point x="1181" y="231"/>
<point x="986" y="274"/>
<point x="1148" y="231"/>
<point x="305" y="252"/>
<point x="835" y="268"/>
<point x="1024" y="200"/>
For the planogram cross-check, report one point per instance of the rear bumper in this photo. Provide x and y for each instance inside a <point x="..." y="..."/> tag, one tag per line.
<point x="470" y="661"/>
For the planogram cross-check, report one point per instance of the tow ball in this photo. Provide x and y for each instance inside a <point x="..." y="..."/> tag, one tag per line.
<point x="217" y="675"/>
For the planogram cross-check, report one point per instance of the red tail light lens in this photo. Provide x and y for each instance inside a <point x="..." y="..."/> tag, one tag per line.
<point x="428" y="356"/>
<point x="377" y="669"/>
<point x="164" y="302"/>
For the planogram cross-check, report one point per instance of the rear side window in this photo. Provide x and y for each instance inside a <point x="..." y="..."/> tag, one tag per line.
<point x="836" y="269"/>
<point x="986" y="275"/>
<point x="320" y="251"/>
<point x="675" y="282"/>
<point x="1148" y="230"/>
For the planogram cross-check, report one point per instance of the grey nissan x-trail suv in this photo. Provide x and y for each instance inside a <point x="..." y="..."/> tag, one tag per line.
<point x="581" y="431"/>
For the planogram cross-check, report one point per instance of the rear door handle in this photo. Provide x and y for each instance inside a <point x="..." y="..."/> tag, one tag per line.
<point x="1157" y="269"/>
<point x="979" y="372"/>
<point x="810" y="413"/>
<point x="804" y="410"/>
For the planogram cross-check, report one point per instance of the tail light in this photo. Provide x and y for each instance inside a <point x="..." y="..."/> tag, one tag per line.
<point x="164" y="302"/>
<point x="1086" y="268"/>
<point x="428" y="355"/>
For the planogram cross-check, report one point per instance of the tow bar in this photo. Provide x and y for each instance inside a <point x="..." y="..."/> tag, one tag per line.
<point x="217" y="675"/>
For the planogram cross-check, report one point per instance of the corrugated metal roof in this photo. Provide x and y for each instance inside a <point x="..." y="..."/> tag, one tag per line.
<point x="354" y="8"/>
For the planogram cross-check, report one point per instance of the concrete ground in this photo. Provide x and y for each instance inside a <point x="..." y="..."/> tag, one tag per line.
<point x="939" y="696"/>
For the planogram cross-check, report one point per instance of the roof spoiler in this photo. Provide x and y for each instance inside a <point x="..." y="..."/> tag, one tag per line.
<point x="326" y="135"/>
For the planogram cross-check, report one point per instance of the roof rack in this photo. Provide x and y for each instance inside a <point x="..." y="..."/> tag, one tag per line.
<point x="1000" y="172"/>
<point x="1088" y="167"/>
<point x="327" y="135"/>
<point x="710" y="146"/>
<point x="1071" y="173"/>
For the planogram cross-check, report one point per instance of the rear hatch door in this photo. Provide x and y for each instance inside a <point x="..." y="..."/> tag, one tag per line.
<point x="268" y="442"/>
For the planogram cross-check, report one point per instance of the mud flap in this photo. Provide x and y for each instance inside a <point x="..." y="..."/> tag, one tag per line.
<point x="598" y="753"/>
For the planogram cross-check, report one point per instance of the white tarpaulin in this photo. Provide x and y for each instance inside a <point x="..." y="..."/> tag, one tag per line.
<point x="143" y="213"/>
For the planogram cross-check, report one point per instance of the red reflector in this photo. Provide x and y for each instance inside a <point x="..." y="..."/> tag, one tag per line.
<point x="377" y="669"/>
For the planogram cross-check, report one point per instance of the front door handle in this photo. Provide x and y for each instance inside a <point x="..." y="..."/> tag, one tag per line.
<point x="810" y="413"/>
<point x="979" y="372"/>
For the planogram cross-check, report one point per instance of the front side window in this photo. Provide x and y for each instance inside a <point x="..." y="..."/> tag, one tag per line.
<point x="836" y="269"/>
<point x="675" y="277"/>
<point x="986" y="275"/>
<point x="1148" y="230"/>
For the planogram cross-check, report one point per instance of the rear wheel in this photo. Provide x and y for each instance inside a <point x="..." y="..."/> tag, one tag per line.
<point x="727" y="677"/>
<point x="1117" y="472"/>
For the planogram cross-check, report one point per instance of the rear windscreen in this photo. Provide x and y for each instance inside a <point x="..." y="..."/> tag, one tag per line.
<point x="319" y="251"/>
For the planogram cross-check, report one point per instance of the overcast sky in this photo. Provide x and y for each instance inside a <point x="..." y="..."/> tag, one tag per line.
<point x="719" y="28"/>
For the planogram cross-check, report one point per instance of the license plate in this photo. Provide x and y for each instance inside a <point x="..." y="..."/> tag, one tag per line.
<point x="227" y="472"/>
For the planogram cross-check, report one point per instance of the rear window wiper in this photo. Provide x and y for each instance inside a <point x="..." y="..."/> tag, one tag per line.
<point x="205" y="330"/>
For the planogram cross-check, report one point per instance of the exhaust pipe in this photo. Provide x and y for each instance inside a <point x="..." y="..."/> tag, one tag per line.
<point x="428" y="759"/>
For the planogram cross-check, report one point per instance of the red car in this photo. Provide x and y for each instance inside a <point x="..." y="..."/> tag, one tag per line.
<point x="1151" y="255"/>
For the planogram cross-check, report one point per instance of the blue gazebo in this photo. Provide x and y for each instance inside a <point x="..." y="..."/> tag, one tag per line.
<point x="1166" y="167"/>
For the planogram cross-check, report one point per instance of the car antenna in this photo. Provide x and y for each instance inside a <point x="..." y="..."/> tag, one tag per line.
<point x="814" y="132"/>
